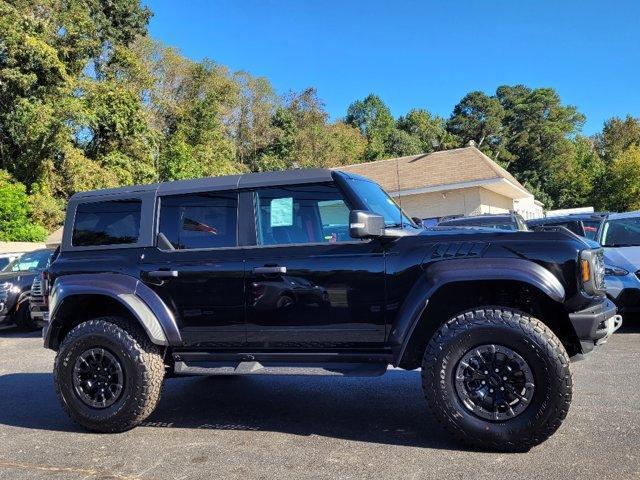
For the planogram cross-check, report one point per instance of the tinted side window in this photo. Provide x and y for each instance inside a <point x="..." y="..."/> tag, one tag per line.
<point x="112" y="222"/>
<point x="301" y="214"/>
<point x="203" y="220"/>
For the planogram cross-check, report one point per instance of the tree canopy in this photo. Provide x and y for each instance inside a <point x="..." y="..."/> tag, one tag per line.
<point x="88" y="100"/>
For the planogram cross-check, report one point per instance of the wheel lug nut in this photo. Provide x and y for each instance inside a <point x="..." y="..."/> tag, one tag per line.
<point x="483" y="382"/>
<point x="501" y="388"/>
<point x="491" y="390"/>
<point x="497" y="370"/>
<point x="486" y="373"/>
<point x="504" y="378"/>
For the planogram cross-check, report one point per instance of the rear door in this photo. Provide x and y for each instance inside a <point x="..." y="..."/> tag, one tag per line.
<point x="308" y="284"/>
<point x="197" y="267"/>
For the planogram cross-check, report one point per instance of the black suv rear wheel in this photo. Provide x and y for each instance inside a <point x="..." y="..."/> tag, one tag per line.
<point x="108" y="375"/>
<point x="497" y="379"/>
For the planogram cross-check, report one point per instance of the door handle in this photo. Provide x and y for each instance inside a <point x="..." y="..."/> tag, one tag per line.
<point x="163" y="273"/>
<point x="269" y="270"/>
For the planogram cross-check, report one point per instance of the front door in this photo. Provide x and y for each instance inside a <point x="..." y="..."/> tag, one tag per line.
<point x="197" y="268"/>
<point x="308" y="284"/>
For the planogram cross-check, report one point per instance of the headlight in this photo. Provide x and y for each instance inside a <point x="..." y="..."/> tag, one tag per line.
<point x="592" y="271"/>
<point x="615" y="271"/>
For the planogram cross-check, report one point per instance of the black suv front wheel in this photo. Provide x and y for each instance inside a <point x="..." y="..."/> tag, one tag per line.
<point x="497" y="379"/>
<point x="108" y="375"/>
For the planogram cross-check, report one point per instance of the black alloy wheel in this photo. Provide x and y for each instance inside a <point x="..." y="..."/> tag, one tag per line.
<point x="494" y="382"/>
<point x="98" y="378"/>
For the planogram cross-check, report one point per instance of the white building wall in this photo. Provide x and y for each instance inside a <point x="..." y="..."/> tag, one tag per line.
<point x="465" y="201"/>
<point x="529" y="208"/>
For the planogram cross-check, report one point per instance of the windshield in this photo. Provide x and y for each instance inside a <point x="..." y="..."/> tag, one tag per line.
<point x="591" y="228"/>
<point x="29" y="262"/>
<point x="621" y="232"/>
<point x="378" y="201"/>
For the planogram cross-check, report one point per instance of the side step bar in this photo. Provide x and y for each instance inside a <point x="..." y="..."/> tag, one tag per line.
<point x="280" y="368"/>
<point x="351" y="364"/>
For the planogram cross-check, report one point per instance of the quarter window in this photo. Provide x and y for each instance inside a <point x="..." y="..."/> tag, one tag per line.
<point x="301" y="214"/>
<point x="204" y="220"/>
<point x="115" y="222"/>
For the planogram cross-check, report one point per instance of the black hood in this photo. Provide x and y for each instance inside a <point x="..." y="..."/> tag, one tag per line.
<point x="21" y="279"/>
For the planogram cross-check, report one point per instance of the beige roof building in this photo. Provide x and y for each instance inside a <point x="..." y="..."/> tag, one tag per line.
<point x="462" y="181"/>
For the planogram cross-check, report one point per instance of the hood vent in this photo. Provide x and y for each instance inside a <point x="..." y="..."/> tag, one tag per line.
<point x="457" y="250"/>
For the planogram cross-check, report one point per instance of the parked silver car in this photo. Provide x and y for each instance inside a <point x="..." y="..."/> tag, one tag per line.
<point x="619" y="234"/>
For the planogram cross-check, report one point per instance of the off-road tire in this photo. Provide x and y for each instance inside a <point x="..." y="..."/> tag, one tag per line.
<point x="23" y="320"/>
<point x="528" y="337"/>
<point x="141" y="363"/>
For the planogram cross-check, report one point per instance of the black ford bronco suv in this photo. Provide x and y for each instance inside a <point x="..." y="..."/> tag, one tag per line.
<point x="316" y="272"/>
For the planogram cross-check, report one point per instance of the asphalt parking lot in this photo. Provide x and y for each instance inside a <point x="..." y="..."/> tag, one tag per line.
<point x="309" y="427"/>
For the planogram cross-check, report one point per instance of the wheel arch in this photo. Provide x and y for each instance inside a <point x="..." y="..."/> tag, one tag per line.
<point x="449" y="287"/>
<point x="77" y="298"/>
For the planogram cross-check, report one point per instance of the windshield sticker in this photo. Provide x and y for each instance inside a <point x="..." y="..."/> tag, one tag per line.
<point x="282" y="212"/>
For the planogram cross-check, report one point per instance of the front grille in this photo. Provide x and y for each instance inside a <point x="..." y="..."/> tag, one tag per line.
<point x="37" y="294"/>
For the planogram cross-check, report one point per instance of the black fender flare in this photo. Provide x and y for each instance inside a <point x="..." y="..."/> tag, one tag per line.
<point x="144" y="304"/>
<point x="443" y="272"/>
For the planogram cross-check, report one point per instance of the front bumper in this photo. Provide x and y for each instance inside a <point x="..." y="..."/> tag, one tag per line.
<point x="624" y="290"/>
<point x="595" y="324"/>
<point x="38" y="316"/>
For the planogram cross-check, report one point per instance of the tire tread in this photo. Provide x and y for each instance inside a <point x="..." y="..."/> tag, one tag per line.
<point x="531" y="328"/>
<point x="147" y="360"/>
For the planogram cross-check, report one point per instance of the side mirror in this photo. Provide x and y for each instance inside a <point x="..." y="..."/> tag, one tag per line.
<point x="364" y="224"/>
<point x="417" y="221"/>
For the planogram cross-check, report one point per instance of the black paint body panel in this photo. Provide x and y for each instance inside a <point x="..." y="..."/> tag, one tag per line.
<point x="333" y="297"/>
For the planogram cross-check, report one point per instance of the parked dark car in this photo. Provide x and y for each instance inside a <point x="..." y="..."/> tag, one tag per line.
<point x="501" y="221"/>
<point x="7" y="258"/>
<point x="15" y="288"/>
<point x="189" y="278"/>
<point x="582" y="224"/>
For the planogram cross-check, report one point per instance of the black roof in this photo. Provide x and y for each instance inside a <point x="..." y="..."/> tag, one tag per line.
<point x="227" y="182"/>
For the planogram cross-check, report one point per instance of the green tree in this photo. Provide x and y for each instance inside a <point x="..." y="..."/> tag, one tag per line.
<point x="250" y="120"/>
<point x="15" y="211"/>
<point x="576" y="176"/>
<point x="346" y="145"/>
<point x="373" y="117"/>
<point x="280" y="153"/>
<point x="400" y="143"/>
<point x="429" y="130"/>
<point x="617" y="135"/>
<point x="479" y="117"/>
<point x="538" y="125"/>
<point x="56" y="119"/>
<point x="622" y="181"/>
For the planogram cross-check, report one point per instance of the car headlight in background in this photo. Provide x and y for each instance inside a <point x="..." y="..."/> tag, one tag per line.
<point x="592" y="271"/>
<point x="5" y="288"/>
<point x="615" y="271"/>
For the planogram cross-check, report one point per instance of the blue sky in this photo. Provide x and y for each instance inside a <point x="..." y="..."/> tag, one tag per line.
<point x="425" y="54"/>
